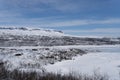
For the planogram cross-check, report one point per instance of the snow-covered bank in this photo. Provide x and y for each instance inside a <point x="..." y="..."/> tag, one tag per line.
<point x="103" y="58"/>
<point x="27" y="57"/>
<point x="107" y="62"/>
<point x="34" y="58"/>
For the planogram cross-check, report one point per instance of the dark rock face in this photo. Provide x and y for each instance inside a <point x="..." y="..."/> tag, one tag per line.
<point x="34" y="40"/>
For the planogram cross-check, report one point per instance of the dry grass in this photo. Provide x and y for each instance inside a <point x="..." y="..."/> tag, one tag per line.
<point x="18" y="75"/>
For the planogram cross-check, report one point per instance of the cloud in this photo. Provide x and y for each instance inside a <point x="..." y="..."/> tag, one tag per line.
<point x="7" y="14"/>
<point x="59" y="5"/>
<point x="31" y="11"/>
<point x="69" y="23"/>
<point x="18" y="20"/>
<point x="101" y="32"/>
<point x="97" y="30"/>
<point x="57" y="21"/>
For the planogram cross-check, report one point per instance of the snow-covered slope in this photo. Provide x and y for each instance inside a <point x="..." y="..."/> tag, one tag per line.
<point x="42" y="37"/>
<point x="106" y="61"/>
<point x="21" y="31"/>
<point x="41" y="50"/>
<point x="64" y="59"/>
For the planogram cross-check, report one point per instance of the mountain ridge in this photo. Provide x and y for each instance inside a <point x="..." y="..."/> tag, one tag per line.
<point x="42" y="37"/>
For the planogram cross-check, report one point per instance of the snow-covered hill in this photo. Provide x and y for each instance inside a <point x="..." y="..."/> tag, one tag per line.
<point x="21" y="31"/>
<point x="42" y="50"/>
<point x="42" y="37"/>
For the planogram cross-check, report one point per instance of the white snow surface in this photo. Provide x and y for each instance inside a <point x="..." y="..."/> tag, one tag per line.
<point x="68" y="46"/>
<point x="30" y="31"/>
<point x="105" y="62"/>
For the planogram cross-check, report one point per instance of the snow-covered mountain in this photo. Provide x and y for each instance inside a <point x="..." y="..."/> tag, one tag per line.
<point x="42" y="50"/>
<point x="23" y="31"/>
<point x="12" y="36"/>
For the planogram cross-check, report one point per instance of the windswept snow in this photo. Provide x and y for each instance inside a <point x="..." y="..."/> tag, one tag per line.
<point x="104" y="59"/>
<point x="53" y="51"/>
<point x="10" y="37"/>
<point x="29" y="31"/>
<point x="106" y="62"/>
<point x="34" y="58"/>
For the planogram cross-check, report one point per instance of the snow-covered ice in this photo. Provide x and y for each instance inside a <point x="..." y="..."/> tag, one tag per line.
<point x="105" y="62"/>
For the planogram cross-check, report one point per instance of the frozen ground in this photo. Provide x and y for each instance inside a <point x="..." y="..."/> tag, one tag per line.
<point x="34" y="58"/>
<point x="107" y="61"/>
<point x="77" y="58"/>
<point x="37" y="50"/>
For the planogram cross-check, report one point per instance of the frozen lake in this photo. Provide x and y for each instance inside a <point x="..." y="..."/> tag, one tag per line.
<point x="107" y="61"/>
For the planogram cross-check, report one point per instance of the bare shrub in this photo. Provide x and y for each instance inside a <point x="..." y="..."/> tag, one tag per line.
<point x="21" y="75"/>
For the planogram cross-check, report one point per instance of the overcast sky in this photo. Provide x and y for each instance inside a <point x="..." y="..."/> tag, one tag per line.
<point x="76" y="17"/>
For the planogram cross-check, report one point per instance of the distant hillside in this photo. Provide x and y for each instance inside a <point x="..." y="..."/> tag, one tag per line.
<point x="42" y="37"/>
